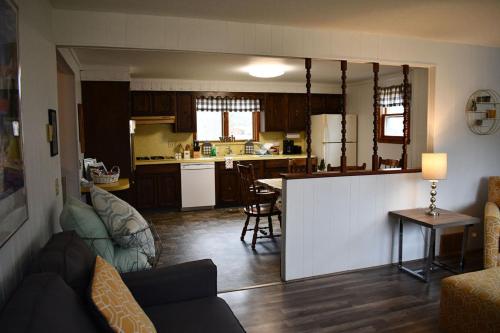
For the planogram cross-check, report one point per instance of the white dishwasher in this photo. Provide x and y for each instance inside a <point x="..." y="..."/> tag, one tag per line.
<point x="198" y="185"/>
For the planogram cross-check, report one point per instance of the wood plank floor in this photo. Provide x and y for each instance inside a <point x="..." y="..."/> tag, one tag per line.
<point x="374" y="300"/>
<point x="215" y="234"/>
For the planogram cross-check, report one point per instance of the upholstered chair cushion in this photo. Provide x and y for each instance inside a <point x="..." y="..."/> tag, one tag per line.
<point x="471" y="302"/>
<point x="67" y="255"/>
<point x="494" y="190"/>
<point x="491" y="235"/>
<point x="115" y="302"/>
<point x="83" y="219"/>
<point x="125" y="225"/>
<point x="45" y="304"/>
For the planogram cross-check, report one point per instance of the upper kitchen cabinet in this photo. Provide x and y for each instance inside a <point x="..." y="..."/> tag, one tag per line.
<point x="325" y="103"/>
<point x="141" y="103"/>
<point x="153" y="103"/>
<point x="185" y="120"/>
<point x="296" y="112"/>
<point x="164" y="103"/>
<point x="275" y="113"/>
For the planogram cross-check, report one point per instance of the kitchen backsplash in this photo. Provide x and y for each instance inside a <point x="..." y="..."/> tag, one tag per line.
<point x="160" y="139"/>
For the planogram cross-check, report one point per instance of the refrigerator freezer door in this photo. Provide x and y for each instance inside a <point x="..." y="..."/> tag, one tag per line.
<point x="333" y="128"/>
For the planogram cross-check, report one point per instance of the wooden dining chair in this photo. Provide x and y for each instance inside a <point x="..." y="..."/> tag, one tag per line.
<point x="258" y="204"/>
<point x="299" y="165"/>
<point x="388" y="163"/>
<point x="349" y="167"/>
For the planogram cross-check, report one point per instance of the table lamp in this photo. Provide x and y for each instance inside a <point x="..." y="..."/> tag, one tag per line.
<point x="434" y="168"/>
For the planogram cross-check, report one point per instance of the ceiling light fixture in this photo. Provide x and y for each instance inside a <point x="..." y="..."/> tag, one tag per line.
<point x="266" y="70"/>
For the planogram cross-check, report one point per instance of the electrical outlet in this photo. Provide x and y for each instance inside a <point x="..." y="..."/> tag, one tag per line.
<point x="57" y="186"/>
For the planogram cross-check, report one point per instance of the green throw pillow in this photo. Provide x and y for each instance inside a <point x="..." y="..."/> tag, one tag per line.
<point x="83" y="219"/>
<point x="130" y="260"/>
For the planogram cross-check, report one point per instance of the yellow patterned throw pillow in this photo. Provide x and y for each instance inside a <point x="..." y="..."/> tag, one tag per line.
<point x="115" y="302"/>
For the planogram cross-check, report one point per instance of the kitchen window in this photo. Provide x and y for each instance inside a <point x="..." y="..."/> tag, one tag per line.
<point x="224" y="117"/>
<point x="391" y="115"/>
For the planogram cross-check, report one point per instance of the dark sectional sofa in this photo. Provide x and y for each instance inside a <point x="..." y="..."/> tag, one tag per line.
<point x="53" y="297"/>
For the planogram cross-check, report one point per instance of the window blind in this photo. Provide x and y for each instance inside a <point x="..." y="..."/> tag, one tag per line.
<point x="393" y="95"/>
<point x="227" y="104"/>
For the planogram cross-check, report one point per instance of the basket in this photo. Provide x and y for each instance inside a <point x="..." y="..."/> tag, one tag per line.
<point x="101" y="178"/>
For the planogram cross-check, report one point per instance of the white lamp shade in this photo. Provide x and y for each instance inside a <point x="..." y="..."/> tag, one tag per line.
<point x="434" y="166"/>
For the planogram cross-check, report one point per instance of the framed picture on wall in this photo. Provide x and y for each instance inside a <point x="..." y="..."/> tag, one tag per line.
<point x="54" y="148"/>
<point x="13" y="199"/>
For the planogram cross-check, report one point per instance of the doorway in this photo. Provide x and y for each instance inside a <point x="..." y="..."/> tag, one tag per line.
<point x="68" y="129"/>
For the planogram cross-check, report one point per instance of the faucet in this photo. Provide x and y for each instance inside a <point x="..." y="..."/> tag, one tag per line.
<point x="229" y="151"/>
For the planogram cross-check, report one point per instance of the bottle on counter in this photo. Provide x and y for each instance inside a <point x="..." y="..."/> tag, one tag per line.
<point x="213" y="152"/>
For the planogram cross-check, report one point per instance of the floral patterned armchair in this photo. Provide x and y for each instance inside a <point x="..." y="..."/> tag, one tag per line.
<point x="492" y="224"/>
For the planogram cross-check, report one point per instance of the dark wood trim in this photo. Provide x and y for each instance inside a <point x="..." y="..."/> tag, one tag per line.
<point x="347" y="174"/>
<point x="225" y="124"/>
<point x="308" y="116"/>
<point x="256" y="125"/>
<point x="376" y="111"/>
<point x="343" y="157"/>
<point x="81" y="128"/>
<point x="406" y="106"/>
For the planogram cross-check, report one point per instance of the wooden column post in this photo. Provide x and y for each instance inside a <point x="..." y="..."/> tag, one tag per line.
<point x="406" y="107"/>
<point x="343" y="157"/>
<point x="308" y="116"/>
<point x="376" y="115"/>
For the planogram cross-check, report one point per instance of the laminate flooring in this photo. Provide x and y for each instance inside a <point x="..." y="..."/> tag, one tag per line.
<point x="372" y="300"/>
<point x="215" y="234"/>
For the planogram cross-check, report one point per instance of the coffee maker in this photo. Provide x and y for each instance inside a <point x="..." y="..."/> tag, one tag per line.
<point x="288" y="147"/>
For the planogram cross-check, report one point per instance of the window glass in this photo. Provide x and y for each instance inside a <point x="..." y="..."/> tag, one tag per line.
<point x="208" y="126"/>
<point x="394" y="109"/>
<point x="393" y="125"/>
<point x="241" y="125"/>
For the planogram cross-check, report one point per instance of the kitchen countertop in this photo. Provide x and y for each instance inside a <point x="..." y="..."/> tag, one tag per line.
<point x="221" y="159"/>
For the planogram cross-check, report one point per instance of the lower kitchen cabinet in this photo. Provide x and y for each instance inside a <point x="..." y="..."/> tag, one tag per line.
<point x="227" y="186"/>
<point x="158" y="186"/>
<point x="273" y="168"/>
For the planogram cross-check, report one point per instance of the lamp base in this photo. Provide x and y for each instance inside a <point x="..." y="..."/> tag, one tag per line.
<point x="432" y="212"/>
<point x="432" y="207"/>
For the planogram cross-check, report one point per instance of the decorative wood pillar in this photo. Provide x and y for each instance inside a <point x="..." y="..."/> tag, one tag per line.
<point x="308" y="116"/>
<point x="406" y="107"/>
<point x="376" y="115"/>
<point x="343" y="157"/>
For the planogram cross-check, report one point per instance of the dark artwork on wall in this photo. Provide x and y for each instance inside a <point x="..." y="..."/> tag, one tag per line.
<point x="13" y="201"/>
<point x="54" y="148"/>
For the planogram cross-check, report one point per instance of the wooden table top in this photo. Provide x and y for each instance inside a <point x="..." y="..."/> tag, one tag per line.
<point x="445" y="219"/>
<point x="273" y="183"/>
<point x="121" y="184"/>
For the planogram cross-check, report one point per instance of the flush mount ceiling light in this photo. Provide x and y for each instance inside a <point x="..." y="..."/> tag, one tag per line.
<point x="266" y="70"/>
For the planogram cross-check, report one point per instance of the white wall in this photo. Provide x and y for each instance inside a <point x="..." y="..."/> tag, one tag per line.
<point x="239" y="86"/>
<point x="338" y="224"/>
<point x="459" y="70"/>
<point x="38" y="93"/>
<point x="360" y="102"/>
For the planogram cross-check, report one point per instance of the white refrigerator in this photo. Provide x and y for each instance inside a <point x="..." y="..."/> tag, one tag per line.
<point x="326" y="138"/>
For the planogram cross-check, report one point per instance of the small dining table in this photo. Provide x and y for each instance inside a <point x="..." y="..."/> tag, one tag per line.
<point x="274" y="184"/>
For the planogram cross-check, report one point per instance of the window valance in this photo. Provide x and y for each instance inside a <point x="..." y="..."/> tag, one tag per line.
<point x="227" y="104"/>
<point x="393" y="95"/>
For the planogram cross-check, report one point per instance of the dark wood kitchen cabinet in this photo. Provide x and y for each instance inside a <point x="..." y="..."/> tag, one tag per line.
<point x="153" y="103"/>
<point x="297" y="109"/>
<point x="273" y="168"/>
<point x="227" y="182"/>
<point x="158" y="186"/>
<point x="325" y="104"/>
<point x="275" y="113"/>
<point x="185" y="120"/>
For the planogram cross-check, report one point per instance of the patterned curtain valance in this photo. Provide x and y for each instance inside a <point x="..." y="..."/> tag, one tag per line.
<point x="227" y="104"/>
<point x="393" y="95"/>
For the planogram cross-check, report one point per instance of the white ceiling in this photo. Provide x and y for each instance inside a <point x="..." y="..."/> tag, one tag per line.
<point x="217" y="67"/>
<point x="463" y="21"/>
